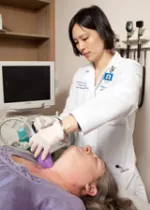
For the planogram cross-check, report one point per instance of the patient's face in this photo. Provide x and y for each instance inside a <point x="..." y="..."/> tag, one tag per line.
<point x="82" y="163"/>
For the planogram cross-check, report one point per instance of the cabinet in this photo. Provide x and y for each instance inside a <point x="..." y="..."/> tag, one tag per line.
<point x="28" y="30"/>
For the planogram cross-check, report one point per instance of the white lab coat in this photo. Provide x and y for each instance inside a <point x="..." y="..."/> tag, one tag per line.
<point x="106" y="113"/>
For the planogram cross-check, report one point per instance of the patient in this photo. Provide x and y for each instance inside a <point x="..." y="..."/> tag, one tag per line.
<point x="77" y="174"/>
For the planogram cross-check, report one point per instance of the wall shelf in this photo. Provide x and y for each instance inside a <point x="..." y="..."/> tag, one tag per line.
<point x="23" y="36"/>
<point x="28" y="4"/>
<point x="28" y="30"/>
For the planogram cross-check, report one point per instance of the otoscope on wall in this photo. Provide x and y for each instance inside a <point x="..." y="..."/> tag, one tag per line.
<point x="129" y="29"/>
<point x="136" y="51"/>
<point x="139" y="25"/>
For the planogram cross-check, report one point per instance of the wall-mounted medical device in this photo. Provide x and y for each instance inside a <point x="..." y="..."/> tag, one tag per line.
<point x="133" y="39"/>
<point x="129" y="29"/>
<point x="135" y="46"/>
<point x="26" y="85"/>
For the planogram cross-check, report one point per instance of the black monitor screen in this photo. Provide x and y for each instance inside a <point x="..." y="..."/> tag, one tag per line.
<point x="26" y="83"/>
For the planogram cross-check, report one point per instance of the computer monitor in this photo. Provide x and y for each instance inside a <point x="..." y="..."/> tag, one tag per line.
<point x="26" y="85"/>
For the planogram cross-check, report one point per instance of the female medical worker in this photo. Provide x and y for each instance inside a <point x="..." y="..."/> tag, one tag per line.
<point x="102" y="103"/>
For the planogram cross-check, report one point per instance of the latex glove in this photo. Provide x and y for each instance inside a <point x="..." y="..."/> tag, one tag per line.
<point x="45" y="139"/>
<point x="43" y="122"/>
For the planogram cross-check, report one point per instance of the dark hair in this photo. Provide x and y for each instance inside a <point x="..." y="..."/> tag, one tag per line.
<point x="93" y="18"/>
<point x="107" y="197"/>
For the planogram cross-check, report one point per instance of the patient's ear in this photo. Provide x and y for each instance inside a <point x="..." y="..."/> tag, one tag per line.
<point x="91" y="189"/>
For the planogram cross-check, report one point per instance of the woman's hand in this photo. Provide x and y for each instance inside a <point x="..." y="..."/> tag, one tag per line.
<point x="46" y="138"/>
<point x="70" y="124"/>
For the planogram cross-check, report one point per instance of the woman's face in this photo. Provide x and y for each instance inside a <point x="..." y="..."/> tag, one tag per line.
<point x="88" y="42"/>
<point x="83" y="164"/>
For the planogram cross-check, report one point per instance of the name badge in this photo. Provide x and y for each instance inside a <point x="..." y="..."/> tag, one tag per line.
<point x="108" y="76"/>
<point x="107" y="79"/>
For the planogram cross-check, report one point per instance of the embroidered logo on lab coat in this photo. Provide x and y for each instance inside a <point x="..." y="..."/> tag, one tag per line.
<point x="81" y="85"/>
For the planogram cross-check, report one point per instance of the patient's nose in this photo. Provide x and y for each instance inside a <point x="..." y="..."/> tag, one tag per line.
<point x="88" y="149"/>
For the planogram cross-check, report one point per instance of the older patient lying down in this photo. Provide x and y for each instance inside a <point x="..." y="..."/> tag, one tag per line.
<point x="78" y="179"/>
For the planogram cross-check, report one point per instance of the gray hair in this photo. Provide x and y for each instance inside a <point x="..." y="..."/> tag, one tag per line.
<point x="107" y="197"/>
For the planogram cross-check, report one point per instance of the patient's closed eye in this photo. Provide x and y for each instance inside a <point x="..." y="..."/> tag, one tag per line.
<point x="85" y="38"/>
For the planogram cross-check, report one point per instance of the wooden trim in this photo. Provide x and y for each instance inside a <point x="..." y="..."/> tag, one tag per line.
<point x="28" y="4"/>
<point x="24" y="36"/>
<point x="52" y="30"/>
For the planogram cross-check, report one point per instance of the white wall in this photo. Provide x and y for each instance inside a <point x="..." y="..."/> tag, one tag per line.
<point x="118" y="12"/>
